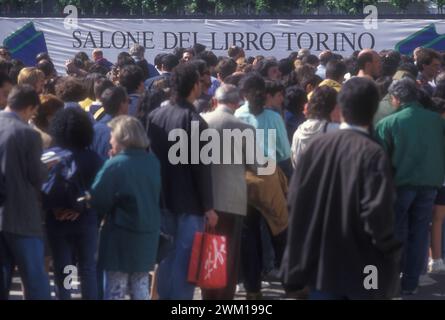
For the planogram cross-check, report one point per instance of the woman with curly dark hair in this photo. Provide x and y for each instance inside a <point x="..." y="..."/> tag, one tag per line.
<point x="72" y="226"/>
<point x="71" y="91"/>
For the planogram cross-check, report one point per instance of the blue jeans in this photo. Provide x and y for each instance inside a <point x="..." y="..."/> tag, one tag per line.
<point x="413" y="209"/>
<point x="119" y="284"/>
<point x="80" y="243"/>
<point x="28" y="254"/>
<point x="173" y="269"/>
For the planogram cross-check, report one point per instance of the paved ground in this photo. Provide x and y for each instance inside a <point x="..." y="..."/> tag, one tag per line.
<point x="432" y="287"/>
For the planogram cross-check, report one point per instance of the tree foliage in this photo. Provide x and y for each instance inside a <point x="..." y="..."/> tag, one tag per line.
<point x="204" y="7"/>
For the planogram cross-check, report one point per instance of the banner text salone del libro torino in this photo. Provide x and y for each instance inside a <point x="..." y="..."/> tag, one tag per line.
<point x="275" y="38"/>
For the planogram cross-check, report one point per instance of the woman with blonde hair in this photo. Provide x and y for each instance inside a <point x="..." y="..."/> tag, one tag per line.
<point x="49" y="105"/>
<point x="126" y="195"/>
<point x="32" y="76"/>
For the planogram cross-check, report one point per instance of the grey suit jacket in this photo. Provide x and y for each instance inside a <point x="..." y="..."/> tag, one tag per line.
<point x="23" y="172"/>
<point x="228" y="180"/>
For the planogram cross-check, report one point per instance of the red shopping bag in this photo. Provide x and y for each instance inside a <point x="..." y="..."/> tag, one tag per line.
<point x="195" y="259"/>
<point x="208" y="261"/>
<point x="213" y="273"/>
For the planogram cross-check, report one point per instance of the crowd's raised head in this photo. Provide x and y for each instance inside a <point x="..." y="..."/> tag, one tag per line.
<point x="209" y="57"/>
<point x="32" y="76"/>
<point x="158" y="60"/>
<point x="274" y="94"/>
<point x="49" y="106"/>
<point x="285" y="66"/>
<point x="390" y="61"/>
<point x="310" y="82"/>
<point x="97" y="54"/>
<point x="100" y="85"/>
<point x="325" y="57"/>
<point x="235" y="53"/>
<point x="23" y="97"/>
<point x="188" y="55"/>
<point x="185" y="82"/>
<point x="89" y="81"/>
<point x="269" y="69"/>
<point x="295" y="99"/>
<point x="404" y="91"/>
<point x="302" y="53"/>
<point x="225" y="68"/>
<point x="322" y="102"/>
<point x="253" y="88"/>
<point x="358" y="100"/>
<point x="137" y="51"/>
<point x="5" y="54"/>
<point x="336" y="70"/>
<point x="72" y="129"/>
<point x="70" y="89"/>
<point x="132" y="78"/>
<point x="228" y="94"/>
<point x="128" y="132"/>
<point x="428" y="62"/>
<point x="124" y="59"/>
<point x="47" y="67"/>
<point x="169" y="62"/>
<point x="115" y="101"/>
<point x="311" y="60"/>
<point x="369" y="64"/>
<point x="304" y="71"/>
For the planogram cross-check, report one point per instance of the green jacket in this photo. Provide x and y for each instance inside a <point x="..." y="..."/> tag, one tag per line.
<point x="414" y="140"/>
<point x="126" y="194"/>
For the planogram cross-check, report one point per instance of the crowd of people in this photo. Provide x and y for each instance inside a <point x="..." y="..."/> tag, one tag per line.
<point x="87" y="177"/>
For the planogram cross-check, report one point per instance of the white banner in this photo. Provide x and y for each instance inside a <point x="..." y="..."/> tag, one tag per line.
<point x="65" y="37"/>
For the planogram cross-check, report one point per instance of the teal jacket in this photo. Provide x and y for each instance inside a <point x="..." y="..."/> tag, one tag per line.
<point x="267" y="120"/>
<point x="414" y="140"/>
<point x="126" y="195"/>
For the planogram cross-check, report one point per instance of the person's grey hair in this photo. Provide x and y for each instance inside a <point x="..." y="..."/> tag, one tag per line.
<point x="137" y="50"/>
<point x="303" y="52"/>
<point x="404" y="89"/>
<point x="227" y="93"/>
<point x="128" y="132"/>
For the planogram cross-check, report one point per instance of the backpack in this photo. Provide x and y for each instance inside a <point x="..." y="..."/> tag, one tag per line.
<point x="64" y="187"/>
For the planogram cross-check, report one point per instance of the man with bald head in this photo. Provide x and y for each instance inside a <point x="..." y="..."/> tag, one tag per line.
<point x="369" y="64"/>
